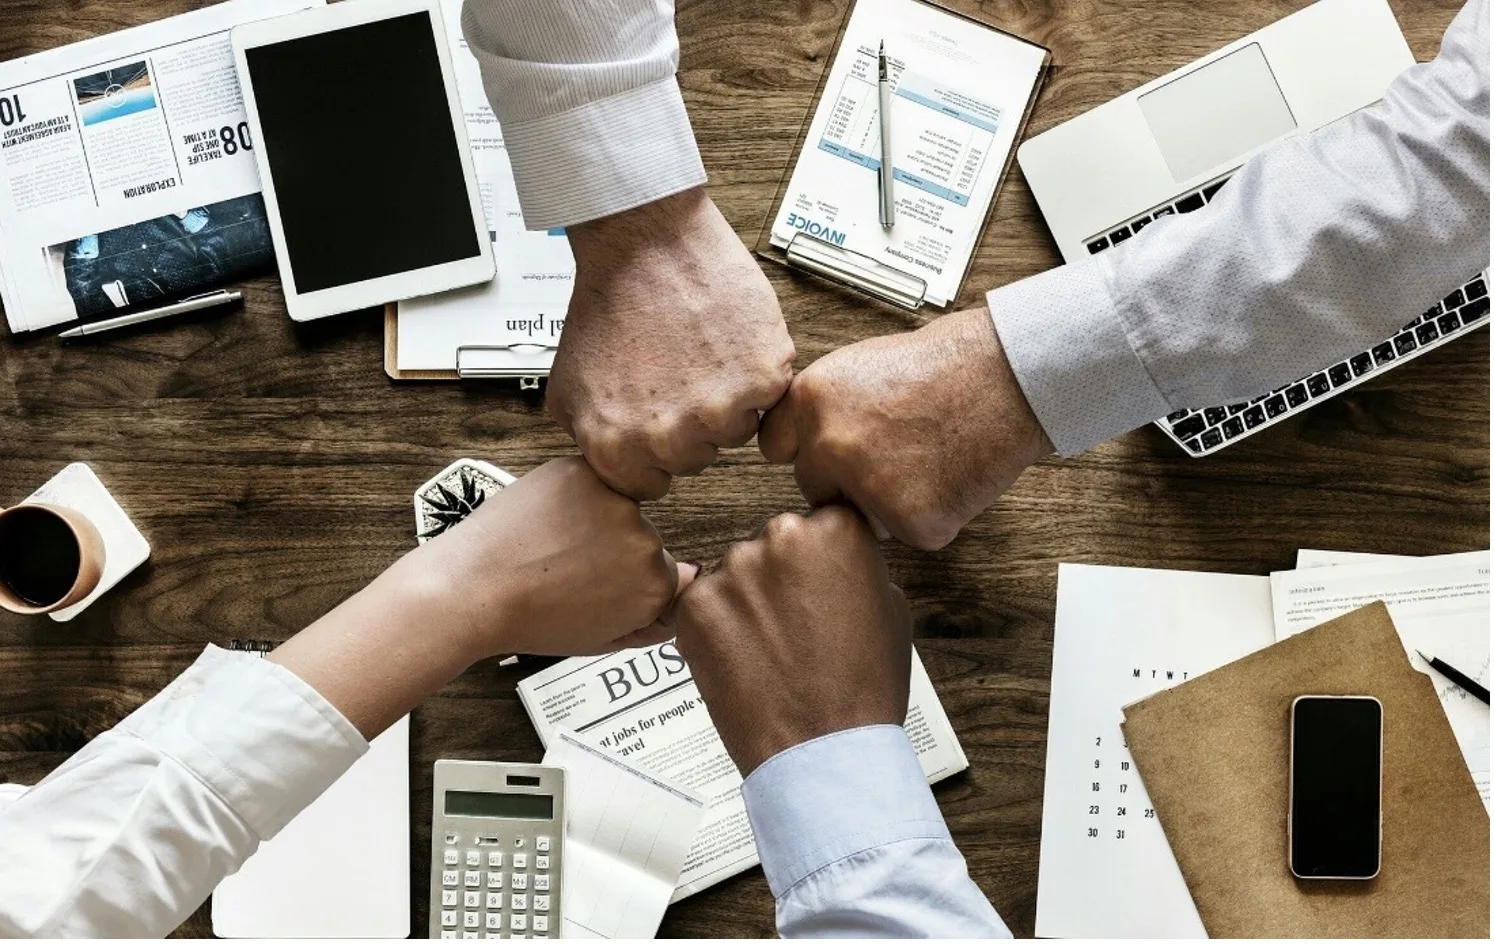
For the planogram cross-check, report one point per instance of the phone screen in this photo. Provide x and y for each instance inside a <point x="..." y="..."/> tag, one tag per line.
<point x="1335" y="830"/>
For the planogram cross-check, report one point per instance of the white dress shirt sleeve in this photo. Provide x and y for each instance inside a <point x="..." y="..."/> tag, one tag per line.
<point x="132" y="833"/>
<point x="1320" y="246"/>
<point x="586" y="95"/>
<point x="853" y="843"/>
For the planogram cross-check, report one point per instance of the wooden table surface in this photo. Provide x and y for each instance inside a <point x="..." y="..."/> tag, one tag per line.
<point x="271" y="464"/>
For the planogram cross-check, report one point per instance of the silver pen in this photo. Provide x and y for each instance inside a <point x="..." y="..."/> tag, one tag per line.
<point x="193" y="303"/>
<point x="884" y="108"/>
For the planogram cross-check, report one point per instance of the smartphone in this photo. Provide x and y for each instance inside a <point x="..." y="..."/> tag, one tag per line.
<point x="1333" y="827"/>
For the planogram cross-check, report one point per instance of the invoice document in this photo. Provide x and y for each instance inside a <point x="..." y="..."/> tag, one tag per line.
<point x="1439" y="605"/>
<point x="1122" y="634"/>
<point x="526" y="301"/>
<point x="626" y="837"/>
<point x="960" y="90"/>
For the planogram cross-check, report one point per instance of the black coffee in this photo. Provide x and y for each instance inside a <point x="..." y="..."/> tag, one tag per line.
<point x="39" y="556"/>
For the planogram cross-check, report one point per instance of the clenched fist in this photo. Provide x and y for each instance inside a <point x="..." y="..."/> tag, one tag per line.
<point x="920" y="430"/>
<point x="799" y="633"/>
<point x="673" y="343"/>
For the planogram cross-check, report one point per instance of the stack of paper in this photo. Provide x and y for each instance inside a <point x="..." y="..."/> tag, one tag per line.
<point x="1122" y="634"/>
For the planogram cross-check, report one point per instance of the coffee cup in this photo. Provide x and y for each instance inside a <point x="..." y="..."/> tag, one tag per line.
<point x="51" y="557"/>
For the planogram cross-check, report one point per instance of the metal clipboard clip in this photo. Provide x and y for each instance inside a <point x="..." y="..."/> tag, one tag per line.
<point x="852" y="268"/>
<point x="525" y="361"/>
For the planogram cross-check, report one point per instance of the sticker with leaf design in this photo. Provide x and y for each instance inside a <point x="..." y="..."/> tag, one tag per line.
<point x="455" y="493"/>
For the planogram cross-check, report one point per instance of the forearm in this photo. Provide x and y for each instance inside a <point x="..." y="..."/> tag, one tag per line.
<point x="853" y="843"/>
<point x="1319" y="247"/>
<point x="586" y="95"/>
<point x="390" y="646"/>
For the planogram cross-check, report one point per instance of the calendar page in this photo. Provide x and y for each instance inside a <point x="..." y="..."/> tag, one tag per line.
<point x="1120" y="635"/>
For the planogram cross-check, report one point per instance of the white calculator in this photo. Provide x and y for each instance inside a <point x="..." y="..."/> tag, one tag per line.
<point x="497" y="833"/>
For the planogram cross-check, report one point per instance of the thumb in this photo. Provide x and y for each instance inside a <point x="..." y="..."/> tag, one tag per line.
<point x="777" y="436"/>
<point x="662" y="628"/>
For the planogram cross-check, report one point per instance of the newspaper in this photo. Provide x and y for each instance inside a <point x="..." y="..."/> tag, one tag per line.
<point x="642" y="704"/>
<point x="127" y="171"/>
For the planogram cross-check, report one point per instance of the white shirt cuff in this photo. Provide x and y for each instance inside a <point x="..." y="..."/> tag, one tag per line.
<point x="825" y="800"/>
<point x="1069" y="349"/>
<point x="604" y="157"/>
<point x="217" y="718"/>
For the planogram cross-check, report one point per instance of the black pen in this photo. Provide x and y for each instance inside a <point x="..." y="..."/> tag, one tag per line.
<point x="1473" y="688"/>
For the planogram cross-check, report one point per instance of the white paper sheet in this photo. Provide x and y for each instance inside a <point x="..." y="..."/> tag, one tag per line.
<point x="626" y="837"/>
<point x="1121" y="634"/>
<point x="960" y="89"/>
<point x="1440" y="605"/>
<point x="525" y="303"/>
<point x="1313" y="557"/>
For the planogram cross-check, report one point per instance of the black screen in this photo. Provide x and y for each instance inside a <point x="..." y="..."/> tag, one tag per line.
<point x="501" y="805"/>
<point x="1336" y="787"/>
<point x="361" y="149"/>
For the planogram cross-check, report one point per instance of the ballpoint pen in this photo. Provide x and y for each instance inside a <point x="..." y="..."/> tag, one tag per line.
<point x="884" y="107"/>
<point x="1462" y="681"/>
<point x="195" y="302"/>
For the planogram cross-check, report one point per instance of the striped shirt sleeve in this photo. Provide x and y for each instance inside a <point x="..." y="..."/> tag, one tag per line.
<point x="586" y="95"/>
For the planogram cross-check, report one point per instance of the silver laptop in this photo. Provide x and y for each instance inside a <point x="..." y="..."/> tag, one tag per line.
<point x="1170" y="145"/>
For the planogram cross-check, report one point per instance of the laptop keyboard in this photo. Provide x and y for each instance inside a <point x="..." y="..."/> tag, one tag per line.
<point x="1201" y="432"/>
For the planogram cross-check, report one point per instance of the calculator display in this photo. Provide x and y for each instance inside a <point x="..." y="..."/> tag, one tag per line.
<point x="501" y="805"/>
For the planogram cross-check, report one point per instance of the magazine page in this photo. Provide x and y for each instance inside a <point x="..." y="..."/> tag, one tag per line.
<point x="127" y="171"/>
<point x="642" y="704"/>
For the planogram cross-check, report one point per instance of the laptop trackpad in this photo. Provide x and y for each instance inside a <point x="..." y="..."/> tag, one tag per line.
<point x="1214" y="114"/>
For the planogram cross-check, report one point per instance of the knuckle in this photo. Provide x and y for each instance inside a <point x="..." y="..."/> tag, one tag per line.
<point x="783" y="526"/>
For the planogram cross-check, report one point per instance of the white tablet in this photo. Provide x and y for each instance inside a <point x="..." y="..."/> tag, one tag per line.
<point x="357" y="132"/>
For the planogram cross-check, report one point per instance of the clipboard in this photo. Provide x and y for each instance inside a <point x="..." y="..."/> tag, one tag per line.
<point x="820" y="255"/>
<point x="533" y="361"/>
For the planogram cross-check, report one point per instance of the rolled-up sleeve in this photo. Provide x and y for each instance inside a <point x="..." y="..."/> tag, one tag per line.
<point x="853" y="843"/>
<point x="1319" y="247"/>
<point x="131" y="834"/>
<point x="586" y="95"/>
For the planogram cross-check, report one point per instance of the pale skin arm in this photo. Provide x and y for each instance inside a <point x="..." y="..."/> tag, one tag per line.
<point x="557" y="564"/>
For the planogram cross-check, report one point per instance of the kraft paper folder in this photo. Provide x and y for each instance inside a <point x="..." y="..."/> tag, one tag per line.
<point x="1213" y="753"/>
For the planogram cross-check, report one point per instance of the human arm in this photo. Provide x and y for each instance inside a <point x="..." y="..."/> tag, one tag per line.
<point x="801" y="648"/>
<point x="673" y="340"/>
<point x="1322" y="245"/>
<point x="134" y="831"/>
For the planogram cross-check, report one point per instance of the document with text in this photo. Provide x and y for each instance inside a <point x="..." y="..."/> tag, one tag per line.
<point x="127" y="173"/>
<point x="1439" y="605"/>
<point x="642" y="705"/>
<point x="1121" y="634"/>
<point x="960" y="90"/>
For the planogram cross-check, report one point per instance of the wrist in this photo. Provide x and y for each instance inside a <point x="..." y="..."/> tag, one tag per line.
<point x="463" y="611"/>
<point x="1021" y="434"/>
<point x="613" y="243"/>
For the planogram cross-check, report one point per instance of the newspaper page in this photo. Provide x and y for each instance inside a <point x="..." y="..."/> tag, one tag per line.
<point x="127" y="171"/>
<point x="642" y="704"/>
<point x="1439" y="605"/>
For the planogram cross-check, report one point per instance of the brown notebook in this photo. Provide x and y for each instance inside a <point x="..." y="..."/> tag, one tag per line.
<point x="1213" y="753"/>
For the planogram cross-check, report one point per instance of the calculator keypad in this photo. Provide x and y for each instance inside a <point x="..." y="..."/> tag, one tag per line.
<point x="473" y="903"/>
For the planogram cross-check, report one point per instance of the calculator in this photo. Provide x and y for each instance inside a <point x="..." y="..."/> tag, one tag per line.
<point x="497" y="832"/>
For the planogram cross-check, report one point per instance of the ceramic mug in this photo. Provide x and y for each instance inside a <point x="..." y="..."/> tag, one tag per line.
<point x="50" y="558"/>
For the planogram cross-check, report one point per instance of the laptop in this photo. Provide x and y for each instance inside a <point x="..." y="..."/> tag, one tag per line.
<point x="1170" y="145"/>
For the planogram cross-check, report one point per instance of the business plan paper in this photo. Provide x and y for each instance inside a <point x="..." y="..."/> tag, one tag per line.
<point x="1439" y="605"/>
<point x="960" y="90"/>
<point x="1122" y="634"/>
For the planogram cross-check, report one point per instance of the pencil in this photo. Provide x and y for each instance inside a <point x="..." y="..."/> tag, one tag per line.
<point x="1464" y="682"/>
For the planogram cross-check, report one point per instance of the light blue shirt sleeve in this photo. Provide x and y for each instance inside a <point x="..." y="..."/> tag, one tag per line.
<point x="854" y="845"/>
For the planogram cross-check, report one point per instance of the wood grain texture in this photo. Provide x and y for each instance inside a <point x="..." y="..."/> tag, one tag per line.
<point x="271" y="464"/>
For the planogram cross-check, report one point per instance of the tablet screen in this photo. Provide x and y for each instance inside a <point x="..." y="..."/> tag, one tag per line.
<point x="358" y="137"/>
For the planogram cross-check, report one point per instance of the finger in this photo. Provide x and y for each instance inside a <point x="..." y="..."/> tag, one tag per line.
<point x="650" y="635"/>
<point x="819" y="485"/>
<point x="777" y="436"/>
<point x="639" y="483"/>
<point x="737" y="430"/>
<point x="690" y="458"/>
<point x="662" y="628"/>
<point x="878" y="528"/>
